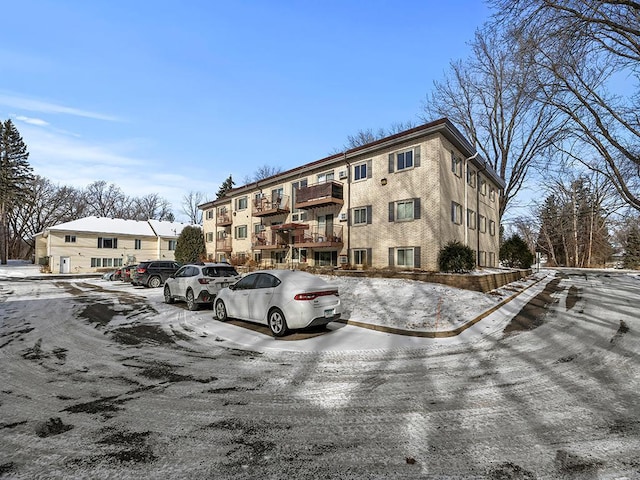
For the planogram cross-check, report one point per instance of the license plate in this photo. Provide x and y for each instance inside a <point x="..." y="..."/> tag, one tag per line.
<point x="328" y="313"/>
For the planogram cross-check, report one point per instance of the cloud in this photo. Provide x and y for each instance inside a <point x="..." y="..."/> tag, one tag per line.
<point x="32" y="121"/>
<point x="32" y="105"/>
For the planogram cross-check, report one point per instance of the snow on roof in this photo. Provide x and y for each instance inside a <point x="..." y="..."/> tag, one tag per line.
<point x="149" y="228"/>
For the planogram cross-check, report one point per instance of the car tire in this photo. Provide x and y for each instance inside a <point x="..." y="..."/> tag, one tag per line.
<point x="192" y="305"/>
<point x="155" y="282"/>
<point x="221" y="311"/>
<point x="167" y="295"/>
<point x="277" y="323"/>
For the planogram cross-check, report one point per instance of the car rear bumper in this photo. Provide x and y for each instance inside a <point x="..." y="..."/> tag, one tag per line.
<point x="324" y="320"/>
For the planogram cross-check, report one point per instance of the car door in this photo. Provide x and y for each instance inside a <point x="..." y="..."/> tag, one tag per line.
<point x="178" y="284"/>
<point x="261" y="296"/>
<point x="239" y="305"/>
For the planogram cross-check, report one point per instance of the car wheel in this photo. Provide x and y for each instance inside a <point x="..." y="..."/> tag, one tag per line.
<point x="191" y="301"/>
<point x="277" y="323"/>
<point x="167" y="295"/>
<point x="155" y="282"/>
<point x="221" y="311"/>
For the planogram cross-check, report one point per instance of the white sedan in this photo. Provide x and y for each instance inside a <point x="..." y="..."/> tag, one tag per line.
<point x="281" y="299"/>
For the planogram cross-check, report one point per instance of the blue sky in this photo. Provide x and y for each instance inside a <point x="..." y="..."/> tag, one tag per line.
<point x="169" y="97"/>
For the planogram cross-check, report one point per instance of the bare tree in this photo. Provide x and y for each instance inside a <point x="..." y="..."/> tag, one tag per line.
<point x="364" y="137"/>
<point x="492" y="99"/>
<point x="579" y="50"/>
<point x="265" y="171"/>
<point x="106" y="200"/>
<point x="190" y="208"/>
<point x="150" y="206"/>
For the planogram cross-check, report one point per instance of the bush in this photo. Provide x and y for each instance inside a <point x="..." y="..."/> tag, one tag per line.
<point x="456" y="257"/>
<point x="515" y="253"/>
<point x="190" y="246"/>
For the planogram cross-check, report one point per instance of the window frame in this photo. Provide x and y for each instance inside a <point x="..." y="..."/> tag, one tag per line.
<point x="471" y="219"/>
<point x="113" y="241"/>
<point x="404" y="203"/>
<point x="69" y="239"/>
<point x="405" y="251"/>
<point x="171" y="245"/>
<point x="362" y="213"/>
<point x="238" y="230"/>
<point x="242" y="203"/>
<point x="456" y="213"/>
<point x="407" y="164"/>
<point x="456" y="165"/>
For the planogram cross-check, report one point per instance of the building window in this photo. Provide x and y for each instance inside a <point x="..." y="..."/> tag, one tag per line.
<point x="404" y="210"/>
<point x="297" y="215"/>
<point x="360" y="216"/>
<point x="210" y="214"/>
<point x="241" y="203"/>
<point x="483" y="223"/>
<point x="209" y="236"/>
<point x="471" y="219"/>
<point x="360" y="172"/>
<point x="482" y="260"/>
<point x="483" y="186"/>
<point x="492" y="227"/>
<point x="492" y="259"/>
<point x="241" y="232"/>
<point x="456" y="213"/>
<point x="107" y="242"/>
<point x="456" y="165"/>
<point x="404" y="160"/>
<point x="471" y="177"/>
<point x="172" y="244"/>
<point x="492" y="194"/>
<point x="325" y="177"/>
<point x="96" y="262"/>
<point x="107" y="262"/>
<point x="69" y="239"/>
<point x="117" y="262"/>
<point x="137" y="244"/>
<point x="405" y="257"/>
<point x="362" y="256"/>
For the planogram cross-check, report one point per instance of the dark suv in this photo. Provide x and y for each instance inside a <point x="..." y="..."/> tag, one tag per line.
<point x="153" y="273"/>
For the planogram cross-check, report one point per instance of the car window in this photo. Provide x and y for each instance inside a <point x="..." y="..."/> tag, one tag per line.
<point x="180" y="273"/>
<point x="267" y="281"/>
<point x="246" y="282"/>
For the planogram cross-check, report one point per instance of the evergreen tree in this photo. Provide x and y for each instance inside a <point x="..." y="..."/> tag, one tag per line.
<point x="515" y="253"/>
<point x="190" y="246"/>
<point x="631" y="255"/>
<point x="225" y="187"/>
<point x="15" y="179"/>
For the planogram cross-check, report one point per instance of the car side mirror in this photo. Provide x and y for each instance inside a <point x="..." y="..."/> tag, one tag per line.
<point x="232" y="286"/>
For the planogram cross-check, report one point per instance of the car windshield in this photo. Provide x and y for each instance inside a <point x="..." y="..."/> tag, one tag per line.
<point x="219" y="272"/>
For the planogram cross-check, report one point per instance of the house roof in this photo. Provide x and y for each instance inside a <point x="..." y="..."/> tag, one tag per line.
<point x="118" y="226"/>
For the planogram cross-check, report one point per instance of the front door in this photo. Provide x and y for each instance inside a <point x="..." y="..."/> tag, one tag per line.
<point x="65" y="265"/>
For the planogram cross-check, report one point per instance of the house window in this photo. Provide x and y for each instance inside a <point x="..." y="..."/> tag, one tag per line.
<point x="107" y="242"/>
<point x="404" y="210"/>
<point x="456" y="213"/>
<point x="241" y="232"/>
<point x="362" y="171"/>
<point x="483" y="223"/>
<point x="404" y="160"/>
<point x="471" y="177"/>
<point x="492" y="227"/>
<point x="172" y="244"/>
<point x="492" y="259"/>
<point x="482" y="260"/>
<point x="241" y="203"/>
<point x="325" y="177"/>
<point x="96" y="262"/>
<point x="137" y="244"/>
<point x="360" y="257"/>
<point x="404" y="257"/>
<point x="210" y="213"/>
<point x="107" y="262"/>
<point x="471" y="219"/>
<point x="69" y="239"/>
<point x="297" y="215"/>
<point x="117" y="262"/>
<point x="360" y="216"/>
<point x="209" y="236"/>
<point x="456" y="165"/>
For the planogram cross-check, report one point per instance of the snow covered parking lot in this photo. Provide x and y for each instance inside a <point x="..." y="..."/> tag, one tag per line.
<point x="102" y="379"/>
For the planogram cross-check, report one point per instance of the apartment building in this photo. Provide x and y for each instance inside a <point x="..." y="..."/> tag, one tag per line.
<point x="392" y="203"/>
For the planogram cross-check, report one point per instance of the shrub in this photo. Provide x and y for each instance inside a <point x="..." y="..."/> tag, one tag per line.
<point x="515" y="253"/>
<point x="190" y="246"/>
<point x="456" y="257"/>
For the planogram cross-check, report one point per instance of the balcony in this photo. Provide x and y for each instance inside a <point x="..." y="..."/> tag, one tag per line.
<point x="224" y="219"/>
<point x="317" y="238"/>
<point x="223" y="244"/>
<point x="270" y="205"/>
<point x="319" y="195"/>
<point x="269" y="241"/>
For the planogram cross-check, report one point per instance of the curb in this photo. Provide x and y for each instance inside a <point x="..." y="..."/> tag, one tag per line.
<point x="440" y="333"/>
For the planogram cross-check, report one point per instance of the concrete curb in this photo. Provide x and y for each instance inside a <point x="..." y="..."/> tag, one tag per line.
<point x="440" y="333"/>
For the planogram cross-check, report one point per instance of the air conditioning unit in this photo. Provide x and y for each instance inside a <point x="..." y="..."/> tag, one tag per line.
<point x="342" y="174"/>
<point x="260" y="228"/>
<point x="343" y="259"/>
<point x="343" y="217"/>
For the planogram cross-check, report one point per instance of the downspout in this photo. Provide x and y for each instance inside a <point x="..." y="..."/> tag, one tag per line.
<point x="348" y="207"/>
<point x="484" y="167"/>
<point x="466" y="199"/>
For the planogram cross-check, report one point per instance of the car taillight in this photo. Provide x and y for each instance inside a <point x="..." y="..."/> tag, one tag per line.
<point x="141" y="270"/>
<point x="204" y="281"/>
<point x="314" y="295"/>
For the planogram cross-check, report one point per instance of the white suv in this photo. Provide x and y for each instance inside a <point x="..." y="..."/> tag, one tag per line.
<point x="199" y="283"/>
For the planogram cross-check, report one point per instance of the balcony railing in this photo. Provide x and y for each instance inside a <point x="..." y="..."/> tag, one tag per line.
<point x="223" y="244"/>
<point x="319" y="195"/>
<point x="315" y="238"/>
<point x="224" y="218"/>
<point x="269" y="240"/>
<point x="269" y="205"/>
